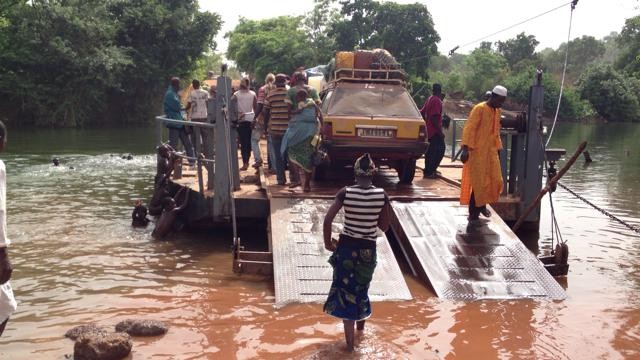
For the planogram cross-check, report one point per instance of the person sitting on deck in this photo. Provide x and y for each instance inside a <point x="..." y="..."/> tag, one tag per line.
<point x="139" y="215"/>
<point x="165" y="223"/>
<point x="366" y="208"/>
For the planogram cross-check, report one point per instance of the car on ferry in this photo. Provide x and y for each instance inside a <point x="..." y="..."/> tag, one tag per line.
<point x="372" y="115"/>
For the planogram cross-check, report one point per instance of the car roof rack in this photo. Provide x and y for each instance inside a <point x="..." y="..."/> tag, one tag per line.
<point x="394" y="76"/>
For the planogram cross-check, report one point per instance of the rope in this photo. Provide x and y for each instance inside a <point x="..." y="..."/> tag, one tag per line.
<point x="510" y="27"/>
<point x="631" y="227"/>
<point x="193" y="158"/>
<point x="564" y="71"/>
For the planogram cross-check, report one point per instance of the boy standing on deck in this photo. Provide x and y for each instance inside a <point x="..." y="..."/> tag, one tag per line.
<point x="366" y="208"/>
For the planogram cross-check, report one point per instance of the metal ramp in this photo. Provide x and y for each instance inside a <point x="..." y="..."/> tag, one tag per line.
<point x="468" y="262"/>
<point x="300" y="268"/>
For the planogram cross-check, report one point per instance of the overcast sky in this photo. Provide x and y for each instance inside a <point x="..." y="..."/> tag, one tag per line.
<point x="459" y="22"/>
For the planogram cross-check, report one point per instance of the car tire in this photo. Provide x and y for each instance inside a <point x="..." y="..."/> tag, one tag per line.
<point x="320" y="172"/>
<point x="406" y="171"/>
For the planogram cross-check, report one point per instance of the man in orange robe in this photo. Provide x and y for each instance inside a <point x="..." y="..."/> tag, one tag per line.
<point x="481" y="174"/>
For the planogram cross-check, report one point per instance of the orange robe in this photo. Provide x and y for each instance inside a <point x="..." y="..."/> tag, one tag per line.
<point x="481" y="173"/>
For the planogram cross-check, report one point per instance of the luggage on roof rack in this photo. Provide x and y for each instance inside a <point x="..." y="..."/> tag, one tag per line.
<point x="367" y="65"/>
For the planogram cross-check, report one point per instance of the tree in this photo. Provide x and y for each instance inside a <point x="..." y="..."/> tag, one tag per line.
<point x="583" y="51"/>
<point x="406" y="30"/>
<point x="164" y="39"/>
<point x="483" y="70"/>
<point x="629" y="41"/>
<point x="613" y="95"/>
<point x="520" y="48"/>
<point x="571" y="107"/>
<point x="78" y="62"/>
<point x="316" y="25"/>
<point x="61" y="63"/>
<point x="271" y="45"/>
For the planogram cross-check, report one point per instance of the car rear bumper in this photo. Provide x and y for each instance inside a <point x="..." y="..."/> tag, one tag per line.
<point x="379" y="150"/>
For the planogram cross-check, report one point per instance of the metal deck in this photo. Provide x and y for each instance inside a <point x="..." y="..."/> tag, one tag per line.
<point x="469" y="262"/>
<point x="301" y="271"/>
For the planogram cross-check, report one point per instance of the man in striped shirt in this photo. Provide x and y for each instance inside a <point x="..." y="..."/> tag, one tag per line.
<point x="366" y="208"/>
<point x="277" y="119"/>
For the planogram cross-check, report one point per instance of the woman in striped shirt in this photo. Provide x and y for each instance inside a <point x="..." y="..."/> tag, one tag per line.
<point x="366" y="208"/>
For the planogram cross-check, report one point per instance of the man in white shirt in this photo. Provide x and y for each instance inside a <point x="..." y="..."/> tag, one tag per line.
<point x="7" y="301"/>
<point x="247" y="103"/>
<point x="202" y="137"/>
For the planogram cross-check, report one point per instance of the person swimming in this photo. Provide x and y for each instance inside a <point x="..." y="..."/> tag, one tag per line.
<point x="139" y="215"/>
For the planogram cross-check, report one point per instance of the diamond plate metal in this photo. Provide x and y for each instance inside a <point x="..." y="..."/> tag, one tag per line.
<point x="463" y="262"/>
<point x="300" y="268"/>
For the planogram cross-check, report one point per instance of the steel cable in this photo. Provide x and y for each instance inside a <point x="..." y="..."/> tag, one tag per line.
<point x="631" y="227"/>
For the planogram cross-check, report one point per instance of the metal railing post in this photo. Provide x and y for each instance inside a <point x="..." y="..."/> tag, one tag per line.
<point x="453" y="140"/>
<point x="159" y="125"/>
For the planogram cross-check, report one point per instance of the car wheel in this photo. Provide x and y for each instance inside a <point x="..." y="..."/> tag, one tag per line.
<point x="406" y="171"/>
<point x="320" y="172"/>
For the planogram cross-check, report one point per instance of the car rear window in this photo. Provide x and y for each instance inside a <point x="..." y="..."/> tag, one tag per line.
<point x="372" y="100"/>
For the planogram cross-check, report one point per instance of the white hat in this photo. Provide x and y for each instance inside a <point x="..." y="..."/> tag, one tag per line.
<point x="500" y="90"/>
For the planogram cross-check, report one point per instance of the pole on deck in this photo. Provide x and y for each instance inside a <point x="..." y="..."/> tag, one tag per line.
<point x="550" y="184"/>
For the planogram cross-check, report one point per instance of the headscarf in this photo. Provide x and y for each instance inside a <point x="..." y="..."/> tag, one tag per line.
<point x="364" y="166"/>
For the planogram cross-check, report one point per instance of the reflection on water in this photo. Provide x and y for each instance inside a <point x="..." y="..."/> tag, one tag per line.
<point x="77" y="260"/>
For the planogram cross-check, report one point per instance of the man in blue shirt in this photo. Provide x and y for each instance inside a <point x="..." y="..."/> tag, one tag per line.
<point x="173" y="110"/>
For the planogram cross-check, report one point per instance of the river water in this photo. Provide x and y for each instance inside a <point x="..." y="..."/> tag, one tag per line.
<point x="77" y="260"/>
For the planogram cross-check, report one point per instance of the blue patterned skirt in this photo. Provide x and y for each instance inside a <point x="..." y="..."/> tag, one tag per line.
<point x="353" y="264"/>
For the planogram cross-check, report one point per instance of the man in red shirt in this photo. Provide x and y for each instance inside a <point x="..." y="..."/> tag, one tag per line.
<point x="432" y="114"/>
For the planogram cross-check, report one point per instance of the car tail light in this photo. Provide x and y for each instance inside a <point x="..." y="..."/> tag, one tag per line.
<point x="327" y="129"/>
<point x="422" y="134"/>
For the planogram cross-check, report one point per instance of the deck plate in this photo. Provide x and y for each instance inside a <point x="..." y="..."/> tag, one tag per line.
<point x="300" y="268"/>
<point x="469" y="262"/>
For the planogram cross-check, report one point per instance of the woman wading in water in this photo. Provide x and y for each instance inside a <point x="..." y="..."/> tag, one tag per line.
<point x="366" y="208"/>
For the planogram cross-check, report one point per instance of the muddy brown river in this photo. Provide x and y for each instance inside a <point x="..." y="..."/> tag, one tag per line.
<point x="77" y="260"/>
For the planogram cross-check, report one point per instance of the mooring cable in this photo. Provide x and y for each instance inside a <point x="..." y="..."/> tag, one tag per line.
<point x="511" y="26"/>
<point x="631" y="227"/>
<point x="564" y="71"/>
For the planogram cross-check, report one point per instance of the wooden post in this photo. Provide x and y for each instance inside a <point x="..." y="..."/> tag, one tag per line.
<point x="551" y="183"/>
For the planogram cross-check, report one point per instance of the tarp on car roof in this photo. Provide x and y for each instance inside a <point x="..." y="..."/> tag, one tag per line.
<point x="371" y="99"/>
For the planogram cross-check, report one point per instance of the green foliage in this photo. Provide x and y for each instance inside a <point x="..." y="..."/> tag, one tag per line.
<point x="406" y="30"/>
<point x="483" y="70"/>
<point x="613" y="95"/>
<point x="583" y="51"/>
<point x="516" y="50"/>
<point x="571" y="107"/>
<point x="82" y="62"/>
<point x="629" y="41"/>
<point x="271" y="45"/>
<point x="316" y="25"/>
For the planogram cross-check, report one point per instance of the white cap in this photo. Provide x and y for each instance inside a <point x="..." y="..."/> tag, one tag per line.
<point x="500" y="90"/>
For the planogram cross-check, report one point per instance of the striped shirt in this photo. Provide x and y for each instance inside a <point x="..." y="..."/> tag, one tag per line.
<point x="362" y="207"/>
<point x="279" y="111"/>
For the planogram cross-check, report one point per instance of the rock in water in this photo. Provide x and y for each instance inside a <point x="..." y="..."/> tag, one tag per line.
<point x="142" y="327"/>
<point x="114" y="346"/>
<point x="94" y="329"/>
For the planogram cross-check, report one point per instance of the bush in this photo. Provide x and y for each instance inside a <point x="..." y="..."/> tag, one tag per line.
<point x="572" y="107"/>
<point x="613" y="95"/>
